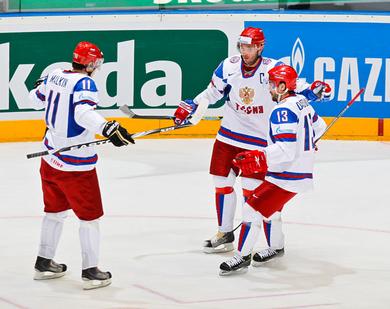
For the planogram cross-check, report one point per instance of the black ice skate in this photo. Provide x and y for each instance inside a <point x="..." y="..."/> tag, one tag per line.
<point x="48" y="269"/>
<point x="265" y="255"/>
<point x="95" y="278"/>
<point x="237" y="264"/>
<point x="221" y="242"/>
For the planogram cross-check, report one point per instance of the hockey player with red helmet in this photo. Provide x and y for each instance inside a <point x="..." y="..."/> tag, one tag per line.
<point x="242" y="80"/>
<point x="287" y="161"/>
<point x="70" y="181"/>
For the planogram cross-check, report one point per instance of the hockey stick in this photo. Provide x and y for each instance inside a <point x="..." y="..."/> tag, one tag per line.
<point x="329" y="126"/>
<point x="127" y="111"/>
<point x="340" y="114"/>
<point x="104" y="141"/>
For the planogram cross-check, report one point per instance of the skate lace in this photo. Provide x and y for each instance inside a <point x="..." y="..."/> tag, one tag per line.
<point x="267" y="253"/>
<point x="235" y="260"/>
<point x="216" y="239"/>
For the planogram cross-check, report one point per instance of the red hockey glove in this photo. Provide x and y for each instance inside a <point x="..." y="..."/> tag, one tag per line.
<point x="251" y="162"/>
<point x="186" y="108"/>
<point x="321" y="89"/>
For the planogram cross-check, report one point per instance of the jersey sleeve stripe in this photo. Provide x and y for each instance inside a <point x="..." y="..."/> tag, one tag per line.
<point x="285" y="137"/>
<point x="40" y="96"/>
<point x="219" y="71"/>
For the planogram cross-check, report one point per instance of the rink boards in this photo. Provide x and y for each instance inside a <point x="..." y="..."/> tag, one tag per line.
<point x="154" y="60"/>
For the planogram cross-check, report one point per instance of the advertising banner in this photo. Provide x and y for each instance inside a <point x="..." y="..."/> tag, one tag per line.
<point x="348" y="56"/>
<point x="142" y="69"/>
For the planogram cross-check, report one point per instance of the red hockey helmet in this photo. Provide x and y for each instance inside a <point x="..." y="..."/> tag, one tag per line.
<point x="251" y="35"/>
<point x="283" y="73"/>
<point x="88" y="54"/>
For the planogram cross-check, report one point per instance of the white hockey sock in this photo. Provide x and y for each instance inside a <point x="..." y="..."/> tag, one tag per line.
<point x="89" y="241"/>
<point x="273" y="231"/>
<point x="50" y="233"/>
<point x="250" y="229"/>
<point x="225" y="201"/>
<point x="225" y="204"/>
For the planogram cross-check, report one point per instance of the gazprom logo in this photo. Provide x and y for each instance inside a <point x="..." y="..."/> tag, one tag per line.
<point x="298" y="56"/>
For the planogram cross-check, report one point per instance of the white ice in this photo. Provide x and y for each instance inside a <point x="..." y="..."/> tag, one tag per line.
<point x="158" y="199"/>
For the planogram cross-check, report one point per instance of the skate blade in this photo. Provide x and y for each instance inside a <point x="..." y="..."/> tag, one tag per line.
<point x="259" y="264"/>
<point x="46" y="275"/>
<point x="220" y="249"/>
<point x="233" y="272"/>
<point x="95" y="284"/>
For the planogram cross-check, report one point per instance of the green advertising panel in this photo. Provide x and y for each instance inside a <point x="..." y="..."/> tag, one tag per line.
<point x="142" y="68"/>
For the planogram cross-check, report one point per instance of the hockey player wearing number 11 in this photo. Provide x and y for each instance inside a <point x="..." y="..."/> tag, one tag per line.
<point x="69" y="181"/>
<point x="287" y="161"/>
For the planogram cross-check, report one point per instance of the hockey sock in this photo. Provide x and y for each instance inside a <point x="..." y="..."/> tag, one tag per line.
<point x="273" y="231"/>
<point x="90" y="241"/>
<point x="250" y="230"/>
<point x="50" y="233"/>
<point x="225" y="203"/>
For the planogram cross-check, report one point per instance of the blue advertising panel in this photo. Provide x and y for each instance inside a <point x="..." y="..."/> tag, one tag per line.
<point x="348" y="56"/>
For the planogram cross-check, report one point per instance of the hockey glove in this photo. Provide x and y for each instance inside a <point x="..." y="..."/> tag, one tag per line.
<point x="184" y="111"/>
<point x="117" y="134"/>
<point x="39" y="81"/>
<point x="251" y="162"/>
<point x="322" y="90"/>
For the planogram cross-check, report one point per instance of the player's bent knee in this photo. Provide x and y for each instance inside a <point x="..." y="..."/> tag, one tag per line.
<point x="220" y="181"/>
<point x="276" y="216"/>
<point x="249" y="214"/>
<point x="250" y="184"/>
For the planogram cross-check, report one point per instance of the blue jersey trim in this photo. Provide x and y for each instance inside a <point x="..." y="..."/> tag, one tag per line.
<point x="290" y="175"/>
<point x="242" y="138"/>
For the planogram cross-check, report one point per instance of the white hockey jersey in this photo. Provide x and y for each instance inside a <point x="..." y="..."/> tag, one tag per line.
<point x="69" y="100"/>
<point x="294" y="126"/>
<point x="248" y="101"/>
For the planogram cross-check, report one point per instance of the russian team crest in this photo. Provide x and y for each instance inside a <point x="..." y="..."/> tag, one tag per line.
<point x="246" y="95"/>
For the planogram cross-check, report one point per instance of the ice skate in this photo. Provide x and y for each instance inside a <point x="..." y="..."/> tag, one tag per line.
<point x="221" y="242"/>
<point x="266" y="255"/>
<point x="94" y="278"/>
<point x="237" y="264"/>
<point x="48" y="269"/>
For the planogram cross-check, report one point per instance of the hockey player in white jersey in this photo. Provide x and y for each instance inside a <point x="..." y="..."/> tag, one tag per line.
<point x="69" y="180"/>
<point x="287" y="160"/>
<point x="242" y="80"/>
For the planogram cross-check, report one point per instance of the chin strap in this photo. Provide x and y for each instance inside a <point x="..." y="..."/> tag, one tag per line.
<point x="281" y="94"/>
